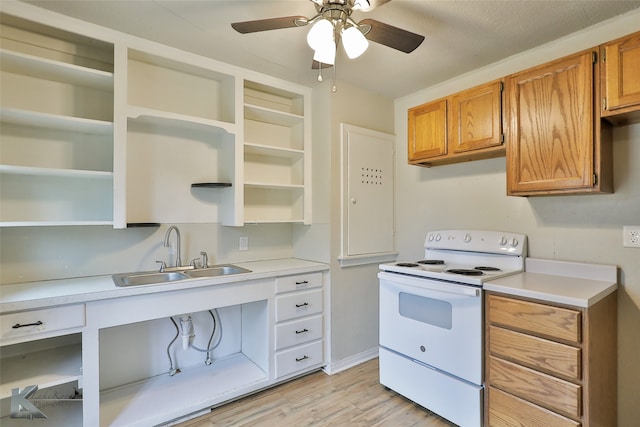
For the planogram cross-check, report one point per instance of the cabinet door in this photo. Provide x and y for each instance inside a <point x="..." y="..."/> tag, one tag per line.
<point x="476" y="118"/>
<point x="551" y="127"/>
<point x="428" y="131"/>
<point x="622" y="74"/>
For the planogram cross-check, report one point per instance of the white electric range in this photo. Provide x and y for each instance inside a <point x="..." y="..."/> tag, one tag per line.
<point x="431" y="319"/>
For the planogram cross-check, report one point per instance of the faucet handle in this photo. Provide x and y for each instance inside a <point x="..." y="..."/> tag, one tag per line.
<point x="194" y="262"/>
<point x="163" y="266"/>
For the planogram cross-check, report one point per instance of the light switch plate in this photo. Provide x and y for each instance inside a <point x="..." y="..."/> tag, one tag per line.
<point x="243" y="243"/>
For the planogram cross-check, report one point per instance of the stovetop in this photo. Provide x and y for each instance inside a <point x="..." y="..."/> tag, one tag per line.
<point x="469" y="257"/>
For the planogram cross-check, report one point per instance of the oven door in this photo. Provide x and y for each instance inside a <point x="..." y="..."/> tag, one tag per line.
<point x="436" y="323"/>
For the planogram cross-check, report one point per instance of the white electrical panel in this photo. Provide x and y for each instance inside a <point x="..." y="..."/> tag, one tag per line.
<point x="367" y="192"/>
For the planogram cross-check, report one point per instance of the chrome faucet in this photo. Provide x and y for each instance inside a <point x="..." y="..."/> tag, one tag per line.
<point x="166" y="243"/>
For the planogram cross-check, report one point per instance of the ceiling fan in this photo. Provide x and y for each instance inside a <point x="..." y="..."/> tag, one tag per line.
<point x="332" y="24"/>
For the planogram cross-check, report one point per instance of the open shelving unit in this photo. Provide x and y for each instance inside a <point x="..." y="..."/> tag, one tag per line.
<point x="276" y="160"/>
<point x="57" y="126"/>
<point x="181" y="131"/>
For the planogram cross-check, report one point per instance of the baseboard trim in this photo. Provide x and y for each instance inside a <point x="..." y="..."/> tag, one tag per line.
<point x="350" y="362"/>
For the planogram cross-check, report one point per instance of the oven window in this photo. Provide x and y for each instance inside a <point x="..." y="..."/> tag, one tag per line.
<point x="426" y="310"/>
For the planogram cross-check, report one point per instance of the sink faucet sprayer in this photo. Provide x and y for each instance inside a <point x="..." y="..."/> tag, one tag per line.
<point x="166" y="243"/>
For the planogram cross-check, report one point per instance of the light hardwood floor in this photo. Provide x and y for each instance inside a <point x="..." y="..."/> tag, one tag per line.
<point x="353" y="397"/>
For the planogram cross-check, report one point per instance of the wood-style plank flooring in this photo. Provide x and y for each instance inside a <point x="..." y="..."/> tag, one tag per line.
<point x="353" y="397"/>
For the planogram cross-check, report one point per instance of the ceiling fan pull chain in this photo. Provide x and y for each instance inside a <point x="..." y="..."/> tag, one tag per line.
<point x="334" y="88"/>
<point x="320" y="71"/>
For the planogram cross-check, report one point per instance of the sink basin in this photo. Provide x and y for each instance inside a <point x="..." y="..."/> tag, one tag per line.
<point x="217" y="270"/>
<point x="148" y="278"/>
<point x="135" y="279"/>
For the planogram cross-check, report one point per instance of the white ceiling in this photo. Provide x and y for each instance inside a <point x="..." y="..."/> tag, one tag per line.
<point x="460" y="35"/>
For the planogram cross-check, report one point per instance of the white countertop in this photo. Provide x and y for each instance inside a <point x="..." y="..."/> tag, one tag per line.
<point x="32" y="295"/>
<point x="571" y="283"/>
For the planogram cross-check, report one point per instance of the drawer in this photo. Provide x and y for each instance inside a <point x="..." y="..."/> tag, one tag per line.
<point x="20" y="326"/>
<point x="298" y="359"/>
<point x="542" y="319"/>
<point x="298" y="304"/>
<point x="506" y="410"/>
<point x="298" y="332"/>
<point x="545" y="390"/>
<point x="538" y="353"/>
<point x="298" y="282"/>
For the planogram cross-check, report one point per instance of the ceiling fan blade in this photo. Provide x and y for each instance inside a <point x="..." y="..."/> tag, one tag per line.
<point x="315" y="65"/>
<point x="391" y="36"/>
<point x="269" y="24"/>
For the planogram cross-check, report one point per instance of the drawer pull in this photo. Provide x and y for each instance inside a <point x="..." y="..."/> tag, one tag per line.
<point x="18" y="325"/>
<point x="302" y="331"/>
<point x="304" y="282"/>
<point x="302" y="358"/>
<point x="302" y="305"/>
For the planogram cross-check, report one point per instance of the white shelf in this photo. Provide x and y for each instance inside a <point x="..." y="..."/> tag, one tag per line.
<point x="53" y="172"/>
<point x="268" y="150"/>
<point x="163" y="398"/>
<point x="45" y="368"/>
<point x="273" y="186"/>
<point x="51" y="223"/>
<point x="268" y="115"/>
<point x="159" y="117"/>
<point x="42" y="68"/>
<point x="53" y="121"/>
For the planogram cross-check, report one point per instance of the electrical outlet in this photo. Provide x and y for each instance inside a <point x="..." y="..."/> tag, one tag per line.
<point x="631" y="236"/>
<point x="243" y="243"/>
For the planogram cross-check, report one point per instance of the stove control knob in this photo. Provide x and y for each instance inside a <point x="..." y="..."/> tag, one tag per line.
<point x="514" y="242"/>
<point x="503" y="241"/>
<point x="422" y="348"/>
<point x="430" y="237"/>
<point x="467" y="238"/>
<point x="438" y="237"/>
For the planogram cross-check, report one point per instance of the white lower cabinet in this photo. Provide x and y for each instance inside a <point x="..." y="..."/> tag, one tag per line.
<point x="41" y="351"/>
<point x="299" y="324"/>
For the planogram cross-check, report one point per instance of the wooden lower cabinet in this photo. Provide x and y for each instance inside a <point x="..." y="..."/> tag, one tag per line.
<point x="548" y="364"/>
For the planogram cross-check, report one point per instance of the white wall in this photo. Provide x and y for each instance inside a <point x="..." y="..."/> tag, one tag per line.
<point x="354" y="290"/>
<point x="43" y="253"/>
<point x="585" y="228"/>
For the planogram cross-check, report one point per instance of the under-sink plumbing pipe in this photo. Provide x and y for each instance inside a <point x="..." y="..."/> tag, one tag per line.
<point x="186" y="326"/>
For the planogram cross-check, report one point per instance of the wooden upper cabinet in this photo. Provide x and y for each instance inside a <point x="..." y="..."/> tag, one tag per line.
<point x="556" y="142"/>
<point x="428" y="131"/>
<point x="476" y="118"/>
<point x="462" y="127"/>
<point x="620" y="66"/>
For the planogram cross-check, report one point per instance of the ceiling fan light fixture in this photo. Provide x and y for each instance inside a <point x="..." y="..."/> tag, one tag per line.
<point x="320" y="34"/>
<point x="354" y="42"/>
<point x="325" y="53"/>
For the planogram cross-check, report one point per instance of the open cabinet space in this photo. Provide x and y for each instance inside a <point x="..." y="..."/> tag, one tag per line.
<point x="54" y="365"/>
<point x="142" y="386"/>
<point x="164" y="162"/>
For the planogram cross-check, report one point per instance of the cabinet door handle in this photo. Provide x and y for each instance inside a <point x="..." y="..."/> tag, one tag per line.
<point x="302" y="358"/>
<point x="18" y="325"/>
<point x="304" y="282"/>
<point x="302" y="331"/>
<point x="302" y="305"/>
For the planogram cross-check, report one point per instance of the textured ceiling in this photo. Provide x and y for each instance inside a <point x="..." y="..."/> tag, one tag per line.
<point x="460" y="35"/>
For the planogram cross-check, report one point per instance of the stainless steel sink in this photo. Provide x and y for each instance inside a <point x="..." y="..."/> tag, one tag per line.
<point x="135" y="279"/>
<point x="148" y="278"/>
<point x="217" y="270"/>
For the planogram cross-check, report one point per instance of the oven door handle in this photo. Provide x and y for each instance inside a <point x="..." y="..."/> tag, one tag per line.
<point x="430" y="284"/>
